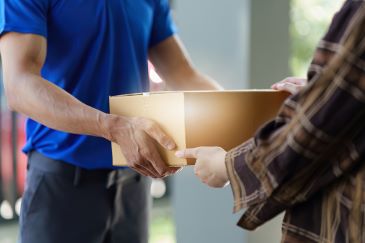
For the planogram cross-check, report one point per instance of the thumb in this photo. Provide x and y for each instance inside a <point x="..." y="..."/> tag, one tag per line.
<point x="191" y="153"/>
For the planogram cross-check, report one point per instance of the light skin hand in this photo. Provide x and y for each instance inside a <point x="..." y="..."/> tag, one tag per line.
<point x="210" y="165"/>
<point x="23" y="56"/>
<point x="291" y="84"/>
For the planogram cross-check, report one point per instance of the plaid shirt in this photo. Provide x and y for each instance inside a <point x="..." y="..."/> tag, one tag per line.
<point x="310" y="160"/>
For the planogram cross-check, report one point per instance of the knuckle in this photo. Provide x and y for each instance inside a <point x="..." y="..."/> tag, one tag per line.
<point x="145" y="163"/>
<point x="217" y="149"/>
<point x="136" y="160"/>
<point x="149" y="125"/>
<point x="144" y="123"/>
<point x="164" y="139"/>
<point x="137" y="121"/>
<point x="146" y="153"/>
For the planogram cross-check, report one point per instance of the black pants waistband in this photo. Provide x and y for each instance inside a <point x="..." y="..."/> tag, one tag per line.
<point x="75" y="173"/>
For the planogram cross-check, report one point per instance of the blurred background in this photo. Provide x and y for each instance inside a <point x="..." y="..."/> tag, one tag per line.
<point x="240" y="43"/>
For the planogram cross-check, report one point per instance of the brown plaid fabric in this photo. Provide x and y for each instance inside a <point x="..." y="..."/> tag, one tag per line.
<point x="310" y="160"/>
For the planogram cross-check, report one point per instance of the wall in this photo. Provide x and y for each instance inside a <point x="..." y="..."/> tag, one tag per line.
<point x="242" y="44"/>
<point x="215" y="33"/>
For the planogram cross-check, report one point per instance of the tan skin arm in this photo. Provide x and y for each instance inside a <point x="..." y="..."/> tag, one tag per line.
<point x="23" y="56"/>
<point x="173" y="64"/>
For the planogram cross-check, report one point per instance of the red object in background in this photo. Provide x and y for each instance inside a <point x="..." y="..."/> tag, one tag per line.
<point x="12" y="160"/>
<point x="6" y="150"/>
<point x="12" y="140"/>
<point x="21" y="157"/>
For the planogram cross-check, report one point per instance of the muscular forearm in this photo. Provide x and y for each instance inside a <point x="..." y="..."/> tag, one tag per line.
<point x="23" y="56"/>
<point x="54" y="107"/>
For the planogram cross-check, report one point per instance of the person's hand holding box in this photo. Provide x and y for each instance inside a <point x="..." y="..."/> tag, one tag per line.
<point x="290" y="84"/>
<point x="210" y="164"/>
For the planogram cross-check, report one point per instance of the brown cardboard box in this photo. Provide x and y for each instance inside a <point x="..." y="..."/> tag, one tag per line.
<point x="200" y="118"/>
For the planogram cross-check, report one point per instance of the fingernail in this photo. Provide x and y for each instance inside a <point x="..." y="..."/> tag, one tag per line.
<point x="171" y="146"/>
<point x="179" y="154"/>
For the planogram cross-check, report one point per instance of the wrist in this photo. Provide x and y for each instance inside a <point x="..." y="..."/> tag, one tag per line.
<point x="225" y="170"/>
<point x="221" y="165"/>
<point x="108" y="124"/>
<point x="225" y="173"/>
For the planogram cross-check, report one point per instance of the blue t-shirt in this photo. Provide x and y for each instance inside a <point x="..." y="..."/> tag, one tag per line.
<point x="96" y="49"/>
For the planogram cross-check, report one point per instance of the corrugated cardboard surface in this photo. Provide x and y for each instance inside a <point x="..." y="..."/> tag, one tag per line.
<point x="200" y="118"/>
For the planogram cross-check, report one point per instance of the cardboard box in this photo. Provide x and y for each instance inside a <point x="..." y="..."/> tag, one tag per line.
<point x="200" y="118"/>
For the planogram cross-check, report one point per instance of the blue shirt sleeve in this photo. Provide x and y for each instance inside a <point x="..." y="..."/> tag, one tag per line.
<point x="24" y="16"/>
<point x="163" y="25"/>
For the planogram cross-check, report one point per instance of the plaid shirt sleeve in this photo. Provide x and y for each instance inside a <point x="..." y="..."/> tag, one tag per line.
<point x="306" y="147"/>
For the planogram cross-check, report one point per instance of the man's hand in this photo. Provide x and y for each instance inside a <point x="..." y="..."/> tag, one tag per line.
<point x="291" y="84"/>
<point x="210" y="164"/>
<point x="137" y="139"/>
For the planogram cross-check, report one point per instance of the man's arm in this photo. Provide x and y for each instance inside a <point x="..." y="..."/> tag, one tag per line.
<point x="28" y="93"/>
<point x="174" y="66"/>
<point x="23" y="56"/>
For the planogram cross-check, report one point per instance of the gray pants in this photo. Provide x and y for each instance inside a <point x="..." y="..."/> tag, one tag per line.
<point x="66" y="204"/>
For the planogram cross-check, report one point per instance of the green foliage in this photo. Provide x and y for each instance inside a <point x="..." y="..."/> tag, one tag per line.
<point x="309" y="22"/>
<point x="162" y="230"/>
<point x="162" y="223"/>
